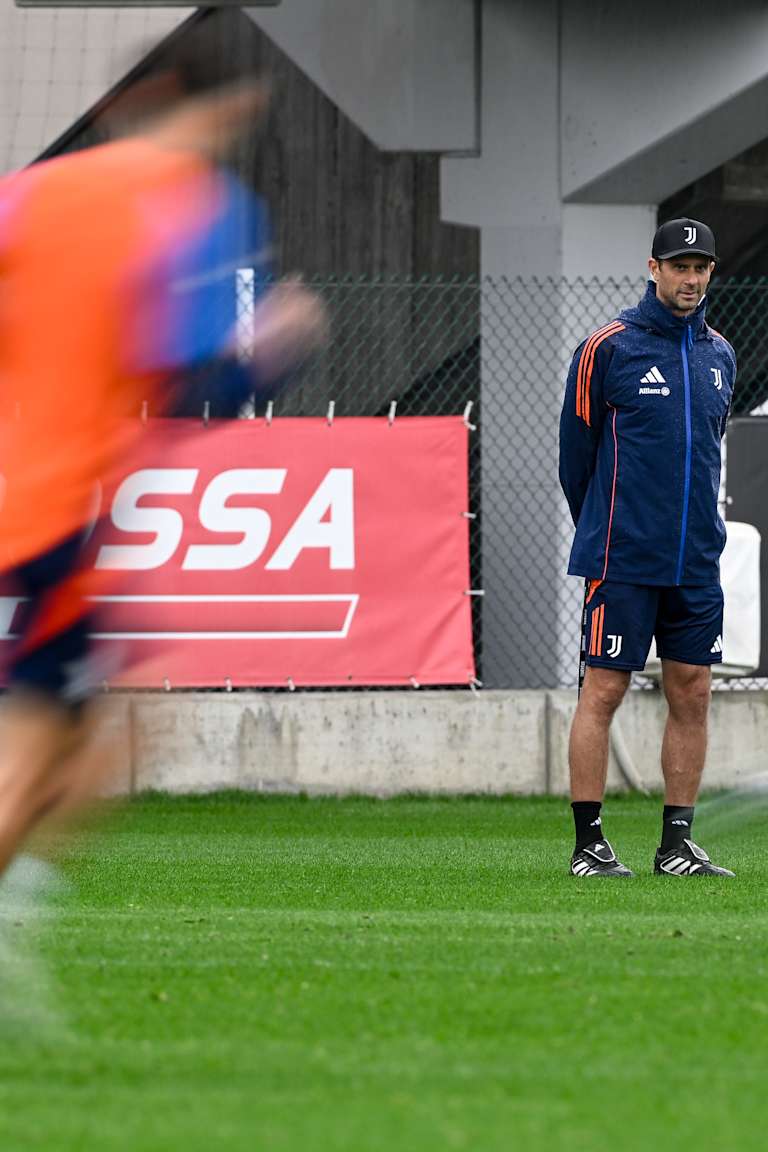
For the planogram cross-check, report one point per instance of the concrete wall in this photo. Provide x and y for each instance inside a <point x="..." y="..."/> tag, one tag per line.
<point x="404" y="71"/>
<point x="385" y="743"/>
<point x="655" y="95"/>
<point x="593" y="103"/>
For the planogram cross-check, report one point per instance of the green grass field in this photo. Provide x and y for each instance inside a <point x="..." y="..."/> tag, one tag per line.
<point x="316" y="975"/>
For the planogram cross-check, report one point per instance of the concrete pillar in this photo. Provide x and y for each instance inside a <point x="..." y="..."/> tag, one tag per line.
<point x="605" y="249"/>
<point x="535" y="251"/>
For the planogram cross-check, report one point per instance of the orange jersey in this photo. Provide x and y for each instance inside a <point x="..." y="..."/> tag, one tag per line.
<point x="75" y="236"/>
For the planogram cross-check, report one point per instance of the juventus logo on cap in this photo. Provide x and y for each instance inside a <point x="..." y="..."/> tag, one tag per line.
<point x="685" y="235"/>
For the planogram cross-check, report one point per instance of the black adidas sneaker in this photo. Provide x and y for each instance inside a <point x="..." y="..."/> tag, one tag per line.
<point x="597" y="859"/>
<point x="687" y="860"/>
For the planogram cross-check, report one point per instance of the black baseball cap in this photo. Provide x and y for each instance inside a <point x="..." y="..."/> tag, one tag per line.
<point x="681" y="237"/>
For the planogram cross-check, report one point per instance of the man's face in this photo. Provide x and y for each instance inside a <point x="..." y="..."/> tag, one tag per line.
<point x="681" y="281"/>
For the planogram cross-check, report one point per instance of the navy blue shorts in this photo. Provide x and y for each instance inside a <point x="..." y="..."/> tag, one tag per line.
<point x="622" y="619"/>
<point x="51" y="662"/>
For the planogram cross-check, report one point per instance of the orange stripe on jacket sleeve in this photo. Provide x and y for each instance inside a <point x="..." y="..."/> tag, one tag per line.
<point x="582" y="365"/>
<point x="588" y="372"/>
<point x="613" y="492"/>
<point x="586" y="364"/>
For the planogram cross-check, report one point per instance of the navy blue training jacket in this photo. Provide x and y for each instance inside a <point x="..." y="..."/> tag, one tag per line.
<point x="645" y="408"/>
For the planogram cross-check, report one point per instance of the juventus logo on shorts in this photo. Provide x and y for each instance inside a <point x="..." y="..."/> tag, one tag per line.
<point x="614" y="647"/>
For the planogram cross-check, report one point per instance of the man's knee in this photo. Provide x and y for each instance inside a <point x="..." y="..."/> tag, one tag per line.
<point x="604" y="691"/>
<point x="688" y="688"/>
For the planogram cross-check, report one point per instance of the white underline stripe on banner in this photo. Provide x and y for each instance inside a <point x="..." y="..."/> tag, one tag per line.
<point x="308" y="598"/>
<point x="218" y="636"/>
<point x="350" y="598"/>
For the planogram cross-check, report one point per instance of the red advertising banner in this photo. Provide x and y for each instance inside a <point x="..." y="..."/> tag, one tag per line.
<point x="299" y="552"/>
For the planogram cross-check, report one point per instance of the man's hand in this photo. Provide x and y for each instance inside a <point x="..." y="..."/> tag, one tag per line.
<point x="288" y="324"/>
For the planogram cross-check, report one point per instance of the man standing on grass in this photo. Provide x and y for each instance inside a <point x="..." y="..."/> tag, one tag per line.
<point x="645" y="409"/>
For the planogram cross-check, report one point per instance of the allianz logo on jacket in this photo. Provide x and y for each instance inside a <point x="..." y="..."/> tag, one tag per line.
<point x="653" y="377"/>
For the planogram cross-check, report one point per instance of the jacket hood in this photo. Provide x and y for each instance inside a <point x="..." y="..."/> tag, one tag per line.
<point x="651" y="314"/>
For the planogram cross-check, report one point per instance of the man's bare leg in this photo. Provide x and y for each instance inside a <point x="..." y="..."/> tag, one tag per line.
<point x="45" y="767"/>
<point x="603" y="691"/>
<point x="86" y="765"/>
<point x="32" y="729"/>
<point x="50" y="762"/>
<point x="687" y="688"/>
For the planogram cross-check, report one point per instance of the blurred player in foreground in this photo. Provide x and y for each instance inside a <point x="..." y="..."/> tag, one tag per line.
<point x="645" y="410"/>
<point x="106" y="272"/>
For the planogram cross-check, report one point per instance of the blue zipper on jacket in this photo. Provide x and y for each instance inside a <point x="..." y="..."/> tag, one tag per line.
<point x="685" y="344"/>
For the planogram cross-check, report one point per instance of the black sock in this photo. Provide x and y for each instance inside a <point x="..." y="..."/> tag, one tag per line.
<point x="676" y="826"/>
<point x="586" y="815"/>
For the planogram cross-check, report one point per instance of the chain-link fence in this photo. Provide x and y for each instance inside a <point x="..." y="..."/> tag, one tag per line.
<point x="503" y="346"/>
